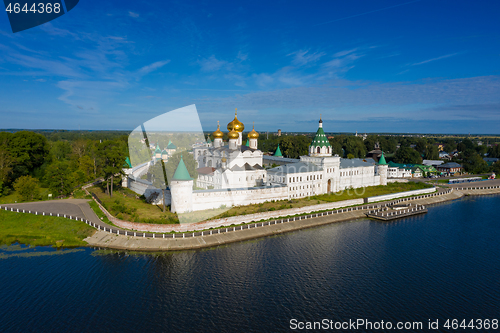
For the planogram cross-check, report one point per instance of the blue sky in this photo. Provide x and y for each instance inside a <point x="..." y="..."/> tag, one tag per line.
<point x="367" y="66"/>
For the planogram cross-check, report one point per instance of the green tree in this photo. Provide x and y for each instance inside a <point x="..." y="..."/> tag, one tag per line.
<point x="473" y="162"/>
<point x="354" y="145"/>
<point x="59" y="178"/>
<point x="60" y="150"/>
<point x="407" y="155"/>
<point x="173" y="162"/>
<point x="295" y="146"/>
<point x="449" y="145"/>
<point x="421" y="145"/>
<point x="86" y="165"/>
<point x="388" y="144"/>
<point x="27" y="188"/>
<point x="6" y="162"/>
<point x="494" y="151"/>
<point x="112" y="156"/>
<point x="29" y="151"/>
<point x="431" y="152"/>
<point x="496" y="168"/>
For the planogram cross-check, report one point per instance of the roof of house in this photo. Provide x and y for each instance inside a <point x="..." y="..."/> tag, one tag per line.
<point x="206" y="171"/>
<point x="171" y="145"/>
<point x="246" y="167"/>
<point x="450" y="165"/>
<point x="432" y="162"/>
<point x="354" y="163"/>
<point x="298" y="167"/>
<point x="280" y="159"/>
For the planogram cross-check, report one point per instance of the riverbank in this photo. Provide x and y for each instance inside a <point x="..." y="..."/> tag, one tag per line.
<point x="38" y="230"/>
<point x="120" y="242"/>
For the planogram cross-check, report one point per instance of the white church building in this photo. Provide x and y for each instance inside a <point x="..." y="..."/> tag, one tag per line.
<point x="233" y="174"/>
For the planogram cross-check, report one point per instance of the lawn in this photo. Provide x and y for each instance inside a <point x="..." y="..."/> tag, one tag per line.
<point x="372" y="191"/>
<point x="38" y="230"/>
<point x="325" y="198"/>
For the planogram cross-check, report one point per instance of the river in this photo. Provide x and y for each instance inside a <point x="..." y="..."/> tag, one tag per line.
<point x="441" y="265"/>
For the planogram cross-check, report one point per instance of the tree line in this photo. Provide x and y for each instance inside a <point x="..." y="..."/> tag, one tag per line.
<point x="30" y="161"/>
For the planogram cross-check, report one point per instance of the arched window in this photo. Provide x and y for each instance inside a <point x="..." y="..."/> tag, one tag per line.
<point x="318" y="150"/>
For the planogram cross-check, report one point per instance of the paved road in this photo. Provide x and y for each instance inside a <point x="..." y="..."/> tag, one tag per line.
<point x="73" y="207"/>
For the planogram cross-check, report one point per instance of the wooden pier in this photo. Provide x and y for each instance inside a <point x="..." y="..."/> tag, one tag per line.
<point x="388" y="213"/>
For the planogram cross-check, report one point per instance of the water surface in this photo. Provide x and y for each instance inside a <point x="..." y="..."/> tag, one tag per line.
<point x="444" y="264"/>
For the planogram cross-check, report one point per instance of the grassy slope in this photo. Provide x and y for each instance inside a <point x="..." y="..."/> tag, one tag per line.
<point x="125" y="205"/>
<point x="39" y="230"/>
<point x="325" y="198"/>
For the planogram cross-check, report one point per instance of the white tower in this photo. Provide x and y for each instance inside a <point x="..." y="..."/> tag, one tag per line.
<point x="382" y="170"/>
<point x="233" y="139"/>
<point x="181" y="190"/>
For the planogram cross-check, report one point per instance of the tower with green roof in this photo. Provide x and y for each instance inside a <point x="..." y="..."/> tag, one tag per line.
<point x="381" y="160"/>
<point x="382" y="167"/>
<point x="277" y="153"/>
<point x="157" y="151"/>
<point x="320" y="145"/>
<point x="181" y="189"/>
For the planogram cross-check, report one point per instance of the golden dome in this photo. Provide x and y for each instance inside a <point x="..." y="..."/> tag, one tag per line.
<point x="253" y="134"/>
<point x="233" y="135"/>
<point x="218" y="133"/>
<point x="236" y="124"/>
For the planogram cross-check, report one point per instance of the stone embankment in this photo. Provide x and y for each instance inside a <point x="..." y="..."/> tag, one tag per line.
<point x="240" y="219"/>
<point x="220" y="236"/>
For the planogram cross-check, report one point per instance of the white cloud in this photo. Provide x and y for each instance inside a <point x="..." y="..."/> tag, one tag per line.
<point x="212" y="64"/>
<point x="132" y="14"/>
<point x="434" y="59"/>
<point x="304" y="57"/>
<point x="154" y="66"/>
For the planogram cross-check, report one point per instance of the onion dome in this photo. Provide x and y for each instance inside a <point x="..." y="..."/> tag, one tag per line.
<point x="233" y="134"/>
<point x="236" y="124"/>
<point x="253" y="134"/>
<point x="218" y="133"/>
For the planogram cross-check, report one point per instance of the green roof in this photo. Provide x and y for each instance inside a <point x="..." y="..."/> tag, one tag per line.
<point x="158" y="150"/>
<point x="181" y="173"/>
<point x="171" y="145"/>
<point x="248" y="143"/>
<point x="382" y="161"/>
<point x="127" y="163"/>
<point x="208" y="140"/>
<point x="278" y="152"/>
<point x="164" y="152"/>
<point x="320" y="140"/>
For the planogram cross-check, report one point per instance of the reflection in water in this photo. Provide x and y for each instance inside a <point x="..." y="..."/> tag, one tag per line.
<point x="440" y="265"/>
